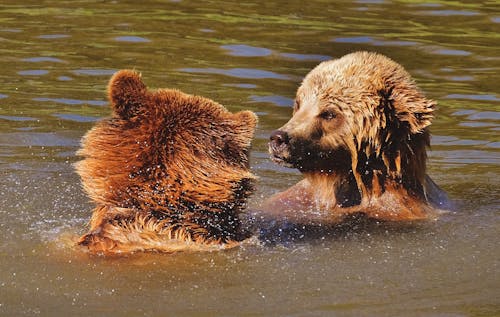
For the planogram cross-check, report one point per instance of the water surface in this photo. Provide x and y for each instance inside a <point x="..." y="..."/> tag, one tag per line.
<point x="56" y="60"/>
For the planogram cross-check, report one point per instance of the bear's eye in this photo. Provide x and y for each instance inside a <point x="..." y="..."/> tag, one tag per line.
<point x="328" y="115"/>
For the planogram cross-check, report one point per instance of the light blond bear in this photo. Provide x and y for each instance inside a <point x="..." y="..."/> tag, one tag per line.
<point x="358" y="134"/>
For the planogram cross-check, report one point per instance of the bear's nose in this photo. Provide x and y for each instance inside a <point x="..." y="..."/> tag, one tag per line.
<point x="279" y="137"/>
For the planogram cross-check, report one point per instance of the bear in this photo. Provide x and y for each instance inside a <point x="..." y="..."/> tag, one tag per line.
<point x="358" y="134"/>
<point x="168" y="171"/>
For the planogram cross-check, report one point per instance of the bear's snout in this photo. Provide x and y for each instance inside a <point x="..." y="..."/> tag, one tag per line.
<point x="279" y="146"/>
<point x="279" y="137"/>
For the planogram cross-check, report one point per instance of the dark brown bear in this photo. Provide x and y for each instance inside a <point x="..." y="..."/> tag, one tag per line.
<point x="168" y="171"/>
<point x="358" y="134"/>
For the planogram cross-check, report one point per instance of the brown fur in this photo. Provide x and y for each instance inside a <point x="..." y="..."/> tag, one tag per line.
<point x="358" y="133"/>
<point x="168" y="171"/>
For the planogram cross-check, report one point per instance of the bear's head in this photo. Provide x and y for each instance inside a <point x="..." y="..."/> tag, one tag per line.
<point x="360" y="114"/>
<point x="167" y="153"/>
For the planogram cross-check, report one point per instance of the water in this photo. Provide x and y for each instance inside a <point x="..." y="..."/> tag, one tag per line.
<point x="56" y="59"/>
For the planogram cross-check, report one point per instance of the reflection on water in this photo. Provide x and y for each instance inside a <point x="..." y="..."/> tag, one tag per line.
<point x="237" y="72"/>
<point x="136" y="39"/>
<point x="56" y="60"/>
<point x="246" y="50"/>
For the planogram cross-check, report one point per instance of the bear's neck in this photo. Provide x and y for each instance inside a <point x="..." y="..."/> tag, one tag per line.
<point x="331" y="189"/>
<point x="346" y="189"/>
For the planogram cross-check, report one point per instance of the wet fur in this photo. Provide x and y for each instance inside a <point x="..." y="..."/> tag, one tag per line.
<point x="168" y="171"/>
<point x="358" y="134"/>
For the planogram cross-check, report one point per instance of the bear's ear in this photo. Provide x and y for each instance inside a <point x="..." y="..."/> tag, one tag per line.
<point x="409" y="106"/>
<point x="245" y="127"/>
<point x="127" y="93"/>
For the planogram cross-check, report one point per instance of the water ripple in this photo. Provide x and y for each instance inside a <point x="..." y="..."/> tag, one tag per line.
<point x="11" y="30"/>
<point x="42" y="59"/>
<point x="370" y="1"/>
<point x="446" y="51"/>
<point x="246" y="86"/>
<point x="33" y="72"/>
<point x="469" y="156"/>
<point x="460" y="78"/>
<point x="354" y="39"/>
<point x="473" y="97"/>
<point x="372" y="41"/>
<point x="368" y="40"/>
<point x="16" y="139"/>
<point x="68" y="101"/>
<point x="454" y="141"/>
<point x="15" y="118"/>
<point x="238" y="72"/>
<point x="484" y="115"/>
<point x="64" y="78"/>
<point x="307" y="57"/>
<point x="464" y="112"/>
<point x="133" y="39"/>
<point x="53" y="36"/>
<point x="275" y="99"/>
<point x="475" y="124"/>
<point x="94" y="72"/>
<point x="75" y="117"/>
<point x="450" y="12"/>
<point x="255" y="51"/>
<point x="495" y="145"/>
<point x="246" y="50"/>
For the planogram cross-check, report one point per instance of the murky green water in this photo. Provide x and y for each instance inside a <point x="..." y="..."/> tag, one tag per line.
<point x="55" y="60"/>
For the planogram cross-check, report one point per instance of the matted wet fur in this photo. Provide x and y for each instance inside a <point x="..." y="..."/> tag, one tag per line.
<point x="168" y="171"/>
<point x="358" y="134"/>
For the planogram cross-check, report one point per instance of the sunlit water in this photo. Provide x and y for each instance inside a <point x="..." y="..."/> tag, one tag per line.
<point x="56" y="59"/>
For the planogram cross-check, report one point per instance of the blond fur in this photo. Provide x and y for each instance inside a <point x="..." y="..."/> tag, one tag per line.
<point x="358" y="133"/>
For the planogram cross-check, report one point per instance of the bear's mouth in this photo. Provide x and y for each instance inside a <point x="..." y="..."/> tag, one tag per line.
<point x="307" y="157"/>
<point x="281" y="161"/>
<point x="280" y="154"/>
